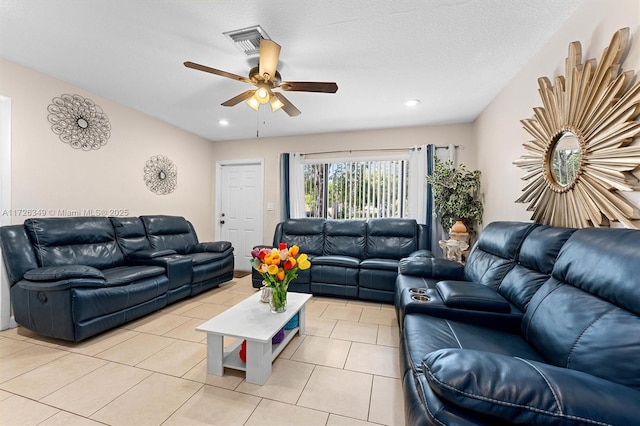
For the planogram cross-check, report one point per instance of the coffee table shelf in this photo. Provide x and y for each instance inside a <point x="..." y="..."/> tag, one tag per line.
<point x="254" y="322"/>
<point x="232" y="353"/>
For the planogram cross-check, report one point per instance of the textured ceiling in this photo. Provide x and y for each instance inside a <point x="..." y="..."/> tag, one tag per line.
<point x="453" y="55"/>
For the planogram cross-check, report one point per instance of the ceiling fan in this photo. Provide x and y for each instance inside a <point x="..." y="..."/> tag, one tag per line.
<point x="265" y="77"/>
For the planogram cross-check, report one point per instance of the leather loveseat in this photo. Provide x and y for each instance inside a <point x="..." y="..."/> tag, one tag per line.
<point x="540" y="326"/>
<point x="72" y="278"/>
<point x="351" y="258"/>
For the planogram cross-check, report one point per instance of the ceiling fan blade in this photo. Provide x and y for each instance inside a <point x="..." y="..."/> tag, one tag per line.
<point x="308" y="86"/>
<point x="237" y="99"/>
<point x="287" y="106"/>
<point x="269" y="54"/>
<point x="205" y="68"/>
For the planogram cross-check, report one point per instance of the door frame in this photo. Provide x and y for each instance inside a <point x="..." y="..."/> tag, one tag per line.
<point x="6" y="320"/>
<point x="218" y="190"/>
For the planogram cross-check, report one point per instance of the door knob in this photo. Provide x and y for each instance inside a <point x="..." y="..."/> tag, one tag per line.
<point x="222" y="222"/>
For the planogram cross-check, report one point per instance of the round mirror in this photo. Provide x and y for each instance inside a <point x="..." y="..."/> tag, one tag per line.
<point x="565" y="159"/>
<point x="82" y="123"/>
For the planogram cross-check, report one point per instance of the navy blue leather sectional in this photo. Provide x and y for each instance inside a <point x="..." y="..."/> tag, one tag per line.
<point x="72" y="278"/>
<point x="541" y="326"/>
<point x="351" y="258"/>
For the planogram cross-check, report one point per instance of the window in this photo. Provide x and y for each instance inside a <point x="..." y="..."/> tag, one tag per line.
<point x="356" y="189"/>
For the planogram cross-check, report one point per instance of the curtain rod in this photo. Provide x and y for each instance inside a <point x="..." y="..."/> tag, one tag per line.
<point x="357" y="150"/>
<point x="374" y="150"/>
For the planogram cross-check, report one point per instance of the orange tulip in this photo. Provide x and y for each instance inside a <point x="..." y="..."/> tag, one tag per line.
<point x="280" y="275"/>
<point x="294" y="250"/>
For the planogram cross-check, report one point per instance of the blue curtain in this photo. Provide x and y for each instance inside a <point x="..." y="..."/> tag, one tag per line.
<point x="285" y="196"/>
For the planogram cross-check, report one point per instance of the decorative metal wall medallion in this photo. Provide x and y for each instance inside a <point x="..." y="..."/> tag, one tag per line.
<point x="79" y="122"/>
<point x="161" y="175"/>
<point x="582" y="156"/>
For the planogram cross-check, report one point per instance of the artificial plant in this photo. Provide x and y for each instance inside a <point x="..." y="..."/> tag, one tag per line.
<point x="456" y="194"/>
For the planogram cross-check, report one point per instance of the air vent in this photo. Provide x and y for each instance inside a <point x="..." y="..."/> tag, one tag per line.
<point x="248" y="39"/>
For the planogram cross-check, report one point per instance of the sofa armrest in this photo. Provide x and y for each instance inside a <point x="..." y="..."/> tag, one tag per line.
<point x="215" y="246"/>
<point x="421" y="253"/>
<point x="516" y="390"/>
<point x="149" y="254"/>
<point x="57" y="273"/>
<point x="429" y="267"/>
<point x="470" y="295"/>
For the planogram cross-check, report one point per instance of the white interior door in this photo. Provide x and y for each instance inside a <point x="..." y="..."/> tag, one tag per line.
<point x="239" y="210"/>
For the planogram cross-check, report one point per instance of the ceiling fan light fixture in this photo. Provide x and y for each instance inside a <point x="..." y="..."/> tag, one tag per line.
<point x="262" y="95"/>
<point x="276" y="103"/>
<point x="253" y="103"/>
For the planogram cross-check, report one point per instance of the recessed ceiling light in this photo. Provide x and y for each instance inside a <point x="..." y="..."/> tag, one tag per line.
<point x="412" y="102"/>
<point x="223" y="122"/>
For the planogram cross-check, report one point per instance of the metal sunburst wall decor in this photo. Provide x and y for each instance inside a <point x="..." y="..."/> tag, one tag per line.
<point x="582" y="156"/>
<point x="79" y="122"/>
<point x="161" y="175"/>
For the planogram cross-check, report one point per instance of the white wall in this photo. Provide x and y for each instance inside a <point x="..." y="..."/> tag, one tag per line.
<point x="271" y="148"/>
<point x="499" y="134"/>
<point x="50" y="175"/>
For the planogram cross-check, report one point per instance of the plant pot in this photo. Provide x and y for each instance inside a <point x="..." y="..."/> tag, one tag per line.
<point x="458" y="228"/>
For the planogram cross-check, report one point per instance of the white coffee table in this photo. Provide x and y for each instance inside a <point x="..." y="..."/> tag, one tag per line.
<point x="253" y="321"/>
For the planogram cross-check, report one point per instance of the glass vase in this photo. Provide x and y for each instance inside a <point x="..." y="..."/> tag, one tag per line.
<point x="278" y="300"/>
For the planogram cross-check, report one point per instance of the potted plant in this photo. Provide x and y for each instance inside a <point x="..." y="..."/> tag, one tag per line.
<point x="456" y="194"/>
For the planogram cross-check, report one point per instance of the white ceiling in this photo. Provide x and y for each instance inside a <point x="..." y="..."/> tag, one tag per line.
<point x="453" y="55"/>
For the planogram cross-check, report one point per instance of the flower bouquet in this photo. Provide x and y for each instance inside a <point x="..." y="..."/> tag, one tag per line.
<point x="278" y="267"/>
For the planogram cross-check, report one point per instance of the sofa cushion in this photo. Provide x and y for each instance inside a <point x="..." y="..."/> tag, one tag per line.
<point x="535" y="262"/>
<point x="130" y="234"/>
<point x="423" y="334"/>
<point x="519" y="391"/>
<point x="585" y="317"/>
<point x="123" y="275"/>
<point x="343" y="261"/>
<point x="91" y="303"/>
<point x="495" y="252"/>
<point x="391" y="238"/>
<point x="466" y="295"/>
<point x="55" y="273"/>
<point x="380" y="264"/>
<point x="345" y="238"/>
<point x="206" y="257"/>
<point x="87" y="241"/>
<point x="170" y="232"/>
<point x="306" y="233"/>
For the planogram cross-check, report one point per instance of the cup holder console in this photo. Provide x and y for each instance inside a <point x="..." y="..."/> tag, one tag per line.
<point x="418" y="290"/>
<point x="420" y="298"/>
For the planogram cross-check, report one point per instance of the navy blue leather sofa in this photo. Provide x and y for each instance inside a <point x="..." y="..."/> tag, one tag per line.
<point x="541" y="326"/>
<point x="351" y="258"/>
<point x="72" y="278"/>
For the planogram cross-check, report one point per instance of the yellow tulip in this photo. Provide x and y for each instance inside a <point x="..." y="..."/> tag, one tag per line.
<point x="303" y="262"/>
<point x="272" y="270"/>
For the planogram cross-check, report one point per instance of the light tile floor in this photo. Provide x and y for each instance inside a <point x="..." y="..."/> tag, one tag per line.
<point x="152" y="371"/>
